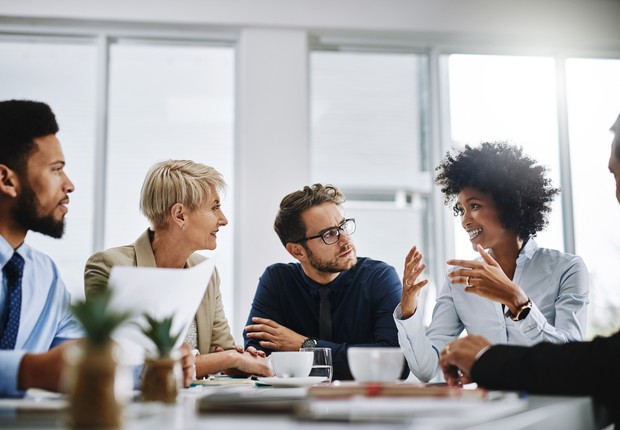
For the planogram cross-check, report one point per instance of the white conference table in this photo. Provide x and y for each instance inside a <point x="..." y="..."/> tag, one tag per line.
<point x="533" y="412"/>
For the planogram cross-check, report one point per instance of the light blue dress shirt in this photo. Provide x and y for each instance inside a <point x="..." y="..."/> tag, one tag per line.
<point x="557" y="284"/>
<point x="45" y="319"/>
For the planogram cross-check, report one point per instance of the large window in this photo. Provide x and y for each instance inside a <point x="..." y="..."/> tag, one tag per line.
<point x="168" y="102"/>
<point x="513" y="99"/>
<point x="165" y="100"/>
<point x="62" y="75"/>
<point x="378" y="125"/>
<point x="368" y="139"/>
<point x="593" y="94"/>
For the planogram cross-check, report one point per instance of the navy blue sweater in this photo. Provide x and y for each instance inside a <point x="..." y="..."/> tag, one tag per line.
<point x="363" y="300"/>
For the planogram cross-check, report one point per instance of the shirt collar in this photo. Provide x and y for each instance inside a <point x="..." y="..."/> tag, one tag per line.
<point x="6" y="251"/>
<point x="314" y="286"/>
<point x="529" y="249"/>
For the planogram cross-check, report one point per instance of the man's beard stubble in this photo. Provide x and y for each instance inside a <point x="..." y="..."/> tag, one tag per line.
<point x="26" y="214"/>
<point x="329" y="266"/>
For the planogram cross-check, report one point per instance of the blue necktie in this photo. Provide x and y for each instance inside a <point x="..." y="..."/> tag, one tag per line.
<point x="13" y="271"/>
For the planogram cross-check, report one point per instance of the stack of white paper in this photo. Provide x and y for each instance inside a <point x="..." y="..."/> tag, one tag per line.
<point x="160" y="293"/>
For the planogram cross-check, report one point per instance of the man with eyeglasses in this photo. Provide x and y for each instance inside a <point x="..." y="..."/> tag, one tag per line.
<point x="329" y="298"/>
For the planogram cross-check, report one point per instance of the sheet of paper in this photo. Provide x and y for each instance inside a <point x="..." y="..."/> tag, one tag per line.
<point x="420" y="412"/>
<point x="160" y="293"/>
<point x="36" y="400"/>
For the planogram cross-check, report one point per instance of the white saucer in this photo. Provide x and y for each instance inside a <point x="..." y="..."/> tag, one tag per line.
<point x="292" y="382"/>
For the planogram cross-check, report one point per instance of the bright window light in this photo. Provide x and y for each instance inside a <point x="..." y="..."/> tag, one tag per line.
<point x="505" y="98"/>
<point x="593" y="95"/>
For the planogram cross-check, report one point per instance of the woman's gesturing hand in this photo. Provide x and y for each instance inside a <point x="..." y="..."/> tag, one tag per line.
<point x="411" y="285"/>
<point x="487" y="279"/>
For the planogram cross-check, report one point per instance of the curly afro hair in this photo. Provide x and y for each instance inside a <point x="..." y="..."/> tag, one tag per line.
<point x="516" y="182"/>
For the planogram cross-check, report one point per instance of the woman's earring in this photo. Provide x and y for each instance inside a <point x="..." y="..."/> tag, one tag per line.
<point x="182" y="226"/>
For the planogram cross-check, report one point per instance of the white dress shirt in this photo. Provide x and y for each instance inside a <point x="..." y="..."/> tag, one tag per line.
<point x="45" y="318"/>
<point x="557" y="284"/>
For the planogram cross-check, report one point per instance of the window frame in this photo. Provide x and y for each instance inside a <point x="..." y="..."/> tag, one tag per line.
<point x="252" y="256"/>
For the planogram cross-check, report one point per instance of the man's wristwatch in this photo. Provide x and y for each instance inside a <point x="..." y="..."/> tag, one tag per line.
<point x="522" y="312"/>
<point x="309" y="343"/>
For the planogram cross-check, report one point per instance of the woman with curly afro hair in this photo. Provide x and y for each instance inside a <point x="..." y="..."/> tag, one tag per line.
<point x="516" y="292"/>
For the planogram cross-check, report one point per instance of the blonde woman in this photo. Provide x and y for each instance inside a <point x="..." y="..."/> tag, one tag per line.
<point x="181" y="200"/>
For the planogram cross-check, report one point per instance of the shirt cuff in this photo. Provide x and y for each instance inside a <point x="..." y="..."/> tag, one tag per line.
<point x="481" y="352"/>
<point x="532" y="325"/>
<point x="9" y="372"/>
<point x="411" y="324"/>
<point x="398" y="312"/>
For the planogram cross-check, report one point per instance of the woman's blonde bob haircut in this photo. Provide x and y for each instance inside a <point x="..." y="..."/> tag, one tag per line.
<point x="177" y="181"/>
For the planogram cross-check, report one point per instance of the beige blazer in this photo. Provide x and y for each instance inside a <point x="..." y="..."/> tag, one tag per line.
<point x="211" y="324"/>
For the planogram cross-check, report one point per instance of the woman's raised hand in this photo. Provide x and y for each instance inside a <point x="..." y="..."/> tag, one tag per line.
<point x="411" y="285"/>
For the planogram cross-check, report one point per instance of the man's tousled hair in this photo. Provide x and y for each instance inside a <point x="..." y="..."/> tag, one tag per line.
<point x="288" y="224"/>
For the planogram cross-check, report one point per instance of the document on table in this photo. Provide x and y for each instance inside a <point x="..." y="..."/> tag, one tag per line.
<point x="36" y="400"/>
<point x="246" y="399"/>
<point x="429" y="412"/>
<point x="161" y="293"/>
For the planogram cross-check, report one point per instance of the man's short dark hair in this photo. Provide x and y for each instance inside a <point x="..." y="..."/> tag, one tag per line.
<point x="21" y="121"/>
<point x="288" y="224"/>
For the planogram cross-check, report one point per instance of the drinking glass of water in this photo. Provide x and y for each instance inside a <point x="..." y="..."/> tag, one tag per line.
<point x="322" y="364"/>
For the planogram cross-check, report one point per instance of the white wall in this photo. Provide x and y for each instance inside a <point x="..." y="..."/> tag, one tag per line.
<point x="573" y="22"/>
<point x="273" y="152"/>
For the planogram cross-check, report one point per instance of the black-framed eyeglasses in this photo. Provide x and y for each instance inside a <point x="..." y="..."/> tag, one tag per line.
<point x="332" y="235"/>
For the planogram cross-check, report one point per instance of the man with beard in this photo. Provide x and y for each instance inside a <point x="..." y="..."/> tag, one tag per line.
<point x="573" y="368"/>
<point x="330" y="298"/>
<point x="35" y="317"/>
<point x="35" y="320"/>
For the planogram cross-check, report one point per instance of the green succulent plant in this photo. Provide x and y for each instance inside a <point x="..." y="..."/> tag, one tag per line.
<point x="98" y="321"/>
<point x="159" y="332"/>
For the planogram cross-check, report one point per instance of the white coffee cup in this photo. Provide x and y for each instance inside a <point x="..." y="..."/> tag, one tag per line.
<point x="291" y="364"/>
<point x="375" y="364"/>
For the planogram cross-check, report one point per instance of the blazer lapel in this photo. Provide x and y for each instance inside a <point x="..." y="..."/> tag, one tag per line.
<point x="204" y="318"/>
<point x="144" y="251"/>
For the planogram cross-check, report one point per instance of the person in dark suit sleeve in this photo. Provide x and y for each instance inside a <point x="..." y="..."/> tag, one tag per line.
<point x="575" y="368"/>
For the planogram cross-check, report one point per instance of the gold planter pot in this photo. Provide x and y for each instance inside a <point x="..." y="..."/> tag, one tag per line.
<point x="159" y="381"/>
<point x="93" y="400"/>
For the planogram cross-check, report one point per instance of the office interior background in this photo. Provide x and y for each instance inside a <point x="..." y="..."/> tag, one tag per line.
<point x="367" y="95"/>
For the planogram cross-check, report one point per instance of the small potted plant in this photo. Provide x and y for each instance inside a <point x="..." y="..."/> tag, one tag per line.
<point x="93" y="401"/>
<point x="159" y="382"/>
